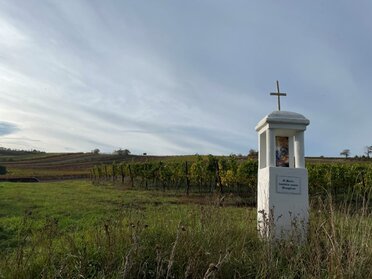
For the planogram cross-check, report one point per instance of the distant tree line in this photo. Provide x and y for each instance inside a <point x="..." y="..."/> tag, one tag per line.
<point x="10" y="151"/>
<point x="367" y="152"/>
<point x="120" y="152"/>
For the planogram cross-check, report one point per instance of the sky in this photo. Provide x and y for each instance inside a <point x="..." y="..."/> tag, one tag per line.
<point x="182" y="77"/>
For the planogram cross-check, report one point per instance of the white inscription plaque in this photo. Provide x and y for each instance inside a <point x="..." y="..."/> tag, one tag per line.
<point x="288" y="185"/>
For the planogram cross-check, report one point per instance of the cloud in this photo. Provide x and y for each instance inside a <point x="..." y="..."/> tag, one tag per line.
<point x="182" y="77"/>
<point x="7" y="128"/>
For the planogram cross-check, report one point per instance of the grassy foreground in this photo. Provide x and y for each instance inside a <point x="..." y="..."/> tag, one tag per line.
<point x="78" y="230"/>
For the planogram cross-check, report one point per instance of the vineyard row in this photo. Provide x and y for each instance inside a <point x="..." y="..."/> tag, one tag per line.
<point x="228" y="174"/>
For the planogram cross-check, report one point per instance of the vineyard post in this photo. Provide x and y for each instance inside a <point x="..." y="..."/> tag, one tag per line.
<point x="93" y="174"/>
<point x="211" y="168"/>
<point x="100" y="172"/>
<point x="145" y="174"/>
<point x="218" y="177"/>
<point x="131" y="176"/>
<point x="122" y="173"/>
<point x="187" y="179"/>
<point x="113" y="172"/>
<point x="106" y="173"/>
<point x="163" y="177"/>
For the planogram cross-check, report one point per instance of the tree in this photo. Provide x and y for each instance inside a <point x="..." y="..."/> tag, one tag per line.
<point x="253" y="154"/>
<point x="122" y="152"/>
<point x="368" y="150"/>
<point x="96" y="151"/>
<point x="345" y="152"/>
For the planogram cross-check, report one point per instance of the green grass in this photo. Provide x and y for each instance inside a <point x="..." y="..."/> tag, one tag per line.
<point x="79" y="230"/>
<point x="76" y="205"/>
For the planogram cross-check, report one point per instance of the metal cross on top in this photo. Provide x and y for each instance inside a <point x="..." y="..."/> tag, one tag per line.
<point x="278" y="94"/>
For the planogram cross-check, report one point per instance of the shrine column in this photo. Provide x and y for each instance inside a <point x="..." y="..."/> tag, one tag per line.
<point x="299" y="150"/>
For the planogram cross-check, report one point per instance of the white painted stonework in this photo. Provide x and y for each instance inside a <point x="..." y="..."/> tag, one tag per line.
<point x="282" y="197"/>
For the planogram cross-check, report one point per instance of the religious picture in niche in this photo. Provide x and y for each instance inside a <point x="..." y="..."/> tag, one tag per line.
<point x="282" y="156"/>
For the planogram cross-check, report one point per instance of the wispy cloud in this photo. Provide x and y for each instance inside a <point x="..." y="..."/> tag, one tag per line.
<point x="181" y="77"/>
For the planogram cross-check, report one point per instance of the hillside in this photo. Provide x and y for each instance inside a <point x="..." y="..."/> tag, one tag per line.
<point x="51" y="166"/>
<point x="56" y="166"/>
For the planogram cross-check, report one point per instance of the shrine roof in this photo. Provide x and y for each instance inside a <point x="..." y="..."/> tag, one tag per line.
<point x="283" y="117"/>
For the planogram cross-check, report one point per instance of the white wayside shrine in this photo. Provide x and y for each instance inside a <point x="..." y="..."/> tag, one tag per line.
<point x="282" y="196"/>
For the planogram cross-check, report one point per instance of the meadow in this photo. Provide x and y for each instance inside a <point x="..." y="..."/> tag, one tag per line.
<point x="80" y="229"/>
